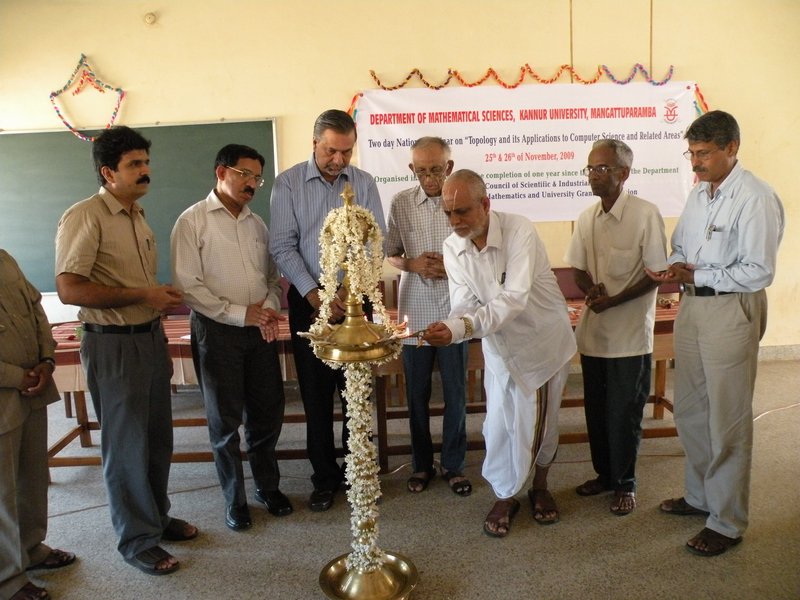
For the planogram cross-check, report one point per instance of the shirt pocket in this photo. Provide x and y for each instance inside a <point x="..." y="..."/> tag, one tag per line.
<point x="621" y="263"/>
<point x="715" y="250"/>
<point x="258" y="255"/>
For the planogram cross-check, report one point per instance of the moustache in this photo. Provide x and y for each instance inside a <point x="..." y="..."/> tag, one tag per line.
<point x="699" y="170"/>
<point x="144" y="179"/>
<point x="250" y="190"/>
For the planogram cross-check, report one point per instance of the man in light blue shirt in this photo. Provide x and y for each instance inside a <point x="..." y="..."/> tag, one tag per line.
<point x="301" y="199"/>
<point x="724" y="251"/>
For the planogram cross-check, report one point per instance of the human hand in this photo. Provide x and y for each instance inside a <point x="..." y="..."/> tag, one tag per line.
<point x="37" y="379"/>
<point x="437" y="334"/>
<point x="269" y="331"/>
<point x="429" y="265"/>
<point x="163" y="297"/>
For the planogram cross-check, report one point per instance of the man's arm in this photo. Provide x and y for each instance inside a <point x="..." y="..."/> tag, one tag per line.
<point x="285" y="237"/>
<point x="80" y="291"/>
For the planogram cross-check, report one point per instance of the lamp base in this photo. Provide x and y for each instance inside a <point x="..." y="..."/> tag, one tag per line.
<point x="393" y="580"/>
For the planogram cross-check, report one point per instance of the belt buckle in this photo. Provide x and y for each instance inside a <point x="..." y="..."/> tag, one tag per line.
<point x="687" y="288"/>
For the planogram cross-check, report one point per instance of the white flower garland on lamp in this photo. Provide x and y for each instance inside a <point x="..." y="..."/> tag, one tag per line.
<point x="351" y="240"/>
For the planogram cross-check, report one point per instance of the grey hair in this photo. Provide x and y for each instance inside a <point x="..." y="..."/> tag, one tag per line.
<point x="621" y="149"/>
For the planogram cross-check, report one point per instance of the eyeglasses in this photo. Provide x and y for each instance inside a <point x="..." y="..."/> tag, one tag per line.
<point x="434" y="173"/>
<point x="248" y="175"/>
<point x="700" y="154"/>
<point x="599" y="169"/>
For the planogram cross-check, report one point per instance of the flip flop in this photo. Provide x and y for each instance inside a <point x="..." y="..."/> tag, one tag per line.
<point x="716" y="543"/>
<point x="147" y="561"/>
<point x="55" y="560"/>
<point x="591" y="488"/>
<point x="542" y="502"/>
<point x="463" y="487"/>
<point x="502" y="509"/>
<point x="619" y="498"/>
<point x="176" y="529"/>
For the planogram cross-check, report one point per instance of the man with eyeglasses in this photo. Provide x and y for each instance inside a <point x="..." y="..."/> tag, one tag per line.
<point x="612" y="243"/>
<point x="221" y="262"/>
<point x="301" y="199"/>
<point x="106" y="264"/>
<point x="724" y="251"/>
<point x="417" y="228"/>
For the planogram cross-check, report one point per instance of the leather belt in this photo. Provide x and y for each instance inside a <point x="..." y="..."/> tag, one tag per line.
<point x="141" y="328"/>
<point x="691" y="290"/>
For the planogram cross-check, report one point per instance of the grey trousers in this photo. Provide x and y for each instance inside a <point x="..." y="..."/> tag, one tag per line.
<point x="240" y="378"/>
<point x="128" y="376"/>
<point x="23" y="500"/>
<point x="716" y="356"/>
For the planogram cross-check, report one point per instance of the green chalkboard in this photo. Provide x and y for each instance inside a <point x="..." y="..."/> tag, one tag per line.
<point x="43" y="174"/>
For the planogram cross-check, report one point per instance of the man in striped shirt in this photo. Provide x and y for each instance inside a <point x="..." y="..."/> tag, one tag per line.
<point x="301" y="199"/>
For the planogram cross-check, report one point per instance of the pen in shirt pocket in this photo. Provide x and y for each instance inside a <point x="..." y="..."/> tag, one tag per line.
<point x="503" y="278"/>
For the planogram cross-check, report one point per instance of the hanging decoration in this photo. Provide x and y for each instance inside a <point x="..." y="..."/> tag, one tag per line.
<point x="87" y="77"/>
<point x="524" y="70"/>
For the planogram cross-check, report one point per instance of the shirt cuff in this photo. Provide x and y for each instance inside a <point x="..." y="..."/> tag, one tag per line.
<point x="702" y="277"/>
<point x="456" y="327"/>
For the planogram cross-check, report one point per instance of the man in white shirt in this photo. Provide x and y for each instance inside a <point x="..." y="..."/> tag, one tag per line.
<point x="724" y="251"/>
<point x="614" y="240"/>
<point x="221" y="262"/>
<point x="503" y="290"/>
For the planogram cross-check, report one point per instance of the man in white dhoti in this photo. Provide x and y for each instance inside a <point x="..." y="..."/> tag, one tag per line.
<point x="503" y="292"/>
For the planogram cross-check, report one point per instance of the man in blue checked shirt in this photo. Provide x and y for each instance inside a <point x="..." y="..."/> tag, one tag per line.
<point x="417" y="229"/>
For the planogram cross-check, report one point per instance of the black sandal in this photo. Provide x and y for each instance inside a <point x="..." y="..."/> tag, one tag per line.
<point x="463" y="487"/>
<point x="417" y="485"/>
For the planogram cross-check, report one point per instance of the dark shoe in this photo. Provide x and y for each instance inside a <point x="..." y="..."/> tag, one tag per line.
<point x="320" y="500"/>
<point x="679" y="506"/>
<point x="238" y="517"/>
<point x="178" y="530"/>
<point x="147" y="561"/>
<point x="277" y="503"/>
<point x="55" y="560"/>
<point x="710" y="543"/>
<point x="592" y="488"/>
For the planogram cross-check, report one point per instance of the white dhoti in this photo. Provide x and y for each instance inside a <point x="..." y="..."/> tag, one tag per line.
<point x="519" y="429"/>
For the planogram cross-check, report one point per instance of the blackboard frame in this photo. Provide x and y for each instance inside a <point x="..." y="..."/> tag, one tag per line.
<point x="45" y="172"/>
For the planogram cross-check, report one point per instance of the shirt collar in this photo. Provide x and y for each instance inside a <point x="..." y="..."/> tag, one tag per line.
<point x="616" y="209"/>
<point x="214" y="203"/>
<point x="422" y="197"/>
<point x="313" y="172"/>
<point x="115" y="206"/>
<point x="729" y="181"/>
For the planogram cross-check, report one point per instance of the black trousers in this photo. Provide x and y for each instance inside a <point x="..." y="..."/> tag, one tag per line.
<point x="615" y="391"/>
<point x="240" y="379"/>
<point x="318" y="383"/>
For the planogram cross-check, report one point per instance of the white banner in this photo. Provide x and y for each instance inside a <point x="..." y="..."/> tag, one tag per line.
<point x="530" y="143"/>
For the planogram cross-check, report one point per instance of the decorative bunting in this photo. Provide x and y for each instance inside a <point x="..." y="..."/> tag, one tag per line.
<point x="523" y="71"/>
<point x="87" y="77"/>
